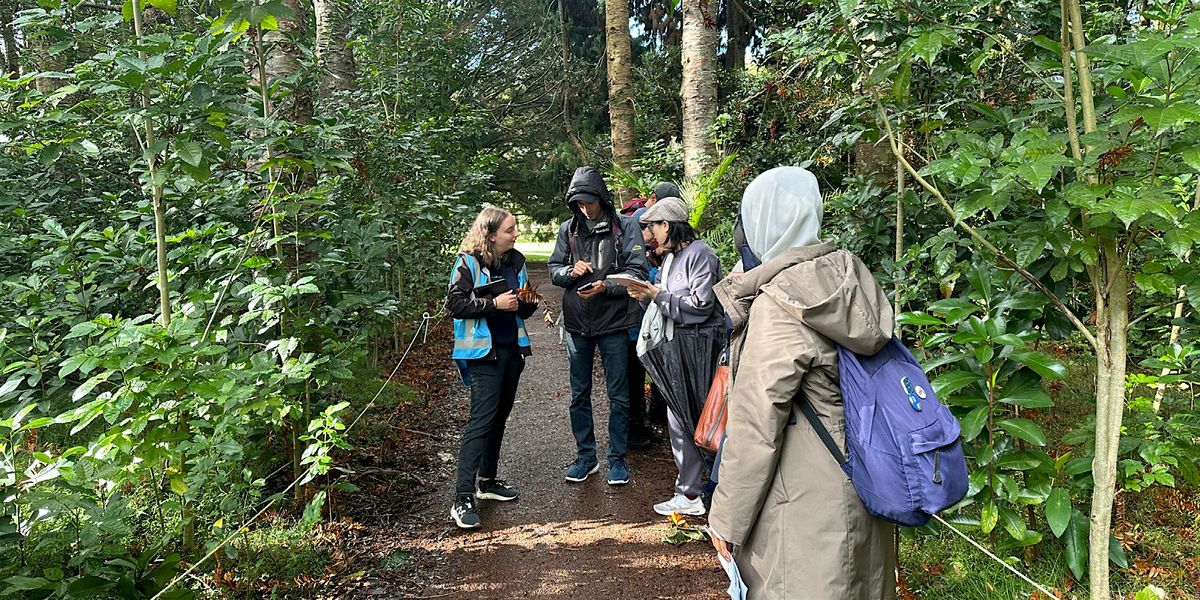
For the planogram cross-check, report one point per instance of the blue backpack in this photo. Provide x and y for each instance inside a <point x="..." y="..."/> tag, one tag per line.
<point x="904" y="457"/>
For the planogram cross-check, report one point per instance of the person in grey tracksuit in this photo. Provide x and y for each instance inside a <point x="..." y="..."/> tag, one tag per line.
<point x="683" y="293"/>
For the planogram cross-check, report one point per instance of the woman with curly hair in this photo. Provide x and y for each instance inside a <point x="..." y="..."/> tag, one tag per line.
<point x="490" y="346"/>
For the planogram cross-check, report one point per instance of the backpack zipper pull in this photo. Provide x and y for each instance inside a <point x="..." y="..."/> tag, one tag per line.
<point x="937" y="466"/>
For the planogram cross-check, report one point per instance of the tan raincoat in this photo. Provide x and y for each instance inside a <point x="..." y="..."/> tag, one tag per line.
<point x="801" y="531"/>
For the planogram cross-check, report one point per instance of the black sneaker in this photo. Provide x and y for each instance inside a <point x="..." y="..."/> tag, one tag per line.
<point x="464" y="513"/>
<point x="641" y="438"/>
<point x="495" y="489"/>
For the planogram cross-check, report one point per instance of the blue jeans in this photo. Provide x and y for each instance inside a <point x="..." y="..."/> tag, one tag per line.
<point x="581" y="352"/>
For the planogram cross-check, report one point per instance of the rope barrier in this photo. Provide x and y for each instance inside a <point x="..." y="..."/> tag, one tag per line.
<point x="425" y="318"/>
<point x="964" y="536"/>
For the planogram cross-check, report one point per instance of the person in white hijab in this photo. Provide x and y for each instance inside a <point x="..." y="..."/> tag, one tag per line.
<point x="783" y="510"/>
<point x="781" y="209"/>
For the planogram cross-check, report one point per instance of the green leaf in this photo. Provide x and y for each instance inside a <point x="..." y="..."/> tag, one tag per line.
<point x="1037" y="172"/>
<point x="1024" y="429"/>
<point x="1028" y="398"/>
<point x="1171" y="116"/>
<point x="928" y="45"/>
<point x="1022" y="460"/>
<point x="988" y="516"/>
<point x="943" y="360"/>
<point x="1181" y="239"/>
<point x="1046" y="43"/>
<point x="1130" y="204"/>
<point x="847" y="7"/>
<point x="1116" y="553"/>
<point x="1058" y="511"/>
<point x="167" y="6"/>
<point x="954" y="309"/>
<point x="973" y="423"/>
<point x="1151" y="592"/>
<point x="50" y="153"/>
<point x="190" y="152"/>
<point x="950" y="382"/>
<point x="312" y="510"/>
<point x="1076" y="543"/>
<point x="87" y="386"/>
<point x="18" y="583"/>
<point x="1013" y="523"/>
<point x="89" y="585"/>
<point x="918" y="318"/>
<point x="881" y="71"/>
<point x="1043" y="364"/>
<point x="1191" y="156"/>
<point x="1151" y="283"/>
<point x="901" y="85"/>
<point x="178" y="486"/>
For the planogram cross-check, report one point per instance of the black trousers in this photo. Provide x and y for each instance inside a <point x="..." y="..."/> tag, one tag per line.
<point x="637" y="392"/>
<point x="493" y="390"/>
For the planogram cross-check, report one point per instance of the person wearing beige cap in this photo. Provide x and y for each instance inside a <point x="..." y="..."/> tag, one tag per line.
<point x="683" y="360"/>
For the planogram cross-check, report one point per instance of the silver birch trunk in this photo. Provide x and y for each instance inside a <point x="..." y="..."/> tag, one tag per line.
<point x="620" y="87"/>
<point x="1110" y="282"/>
<point x="334" y="57"/>
<point x="699" y="89"/>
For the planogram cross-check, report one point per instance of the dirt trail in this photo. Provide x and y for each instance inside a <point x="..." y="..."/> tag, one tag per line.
<point x="587" y="540"/>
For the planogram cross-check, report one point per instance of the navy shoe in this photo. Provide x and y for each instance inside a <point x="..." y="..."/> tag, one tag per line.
<point x="581" y="469"/>
<point x="617" y="473"/>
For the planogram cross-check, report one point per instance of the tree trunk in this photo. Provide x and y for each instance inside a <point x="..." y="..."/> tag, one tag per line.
<point x="620" y="88"/>
<point x="699" y="90"/>
<point x="1110" y="280"/>
<point x="283" y="61"/>
<point x="739" y="25"/>
<point x="12" y="61"/>
<point x="565" y="87"/>
<point x="39" y="54"/>
<point x="335" y="59"/>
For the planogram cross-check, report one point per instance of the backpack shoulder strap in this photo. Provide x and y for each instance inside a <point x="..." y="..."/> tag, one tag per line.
<point x="827" y="439"/>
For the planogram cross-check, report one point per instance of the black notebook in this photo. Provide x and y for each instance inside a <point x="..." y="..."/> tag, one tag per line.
<point x="492" y="289"/>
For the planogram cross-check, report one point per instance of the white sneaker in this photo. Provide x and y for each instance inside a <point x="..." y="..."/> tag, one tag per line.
<point x="680" y="504"/>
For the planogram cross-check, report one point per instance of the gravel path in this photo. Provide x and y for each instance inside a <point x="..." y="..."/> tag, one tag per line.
<point x="587" y="540"/>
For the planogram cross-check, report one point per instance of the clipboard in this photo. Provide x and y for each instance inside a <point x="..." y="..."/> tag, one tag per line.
<point x="491" y="289"/>
<point x="625" y="279"/>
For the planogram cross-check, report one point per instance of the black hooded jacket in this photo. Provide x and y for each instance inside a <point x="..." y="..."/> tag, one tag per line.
<point x="614" y="245"/>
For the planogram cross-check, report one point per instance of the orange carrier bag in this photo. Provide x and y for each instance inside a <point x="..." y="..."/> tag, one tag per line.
<point x="711" y="427"/>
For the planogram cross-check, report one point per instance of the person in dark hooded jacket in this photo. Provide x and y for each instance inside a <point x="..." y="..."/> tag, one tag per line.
<point x="594" y="243"/>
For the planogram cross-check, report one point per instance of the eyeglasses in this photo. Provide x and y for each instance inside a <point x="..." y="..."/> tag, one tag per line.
<point x="644" y="226"/>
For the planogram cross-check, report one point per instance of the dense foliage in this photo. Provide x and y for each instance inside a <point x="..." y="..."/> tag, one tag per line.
<point x="308" y="221"/>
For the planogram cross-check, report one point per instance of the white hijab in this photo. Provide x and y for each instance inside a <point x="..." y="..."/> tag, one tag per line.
<point x="781" y="209"/>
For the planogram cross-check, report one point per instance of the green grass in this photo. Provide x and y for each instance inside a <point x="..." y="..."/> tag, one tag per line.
<point x="536" y="251"/>
<point x="281" y="551"/>
<point x="360" y="389"/>
<point x="946" y="566"/>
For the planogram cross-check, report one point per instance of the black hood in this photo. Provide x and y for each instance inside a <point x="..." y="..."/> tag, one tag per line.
<point x="588" y="180"/>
